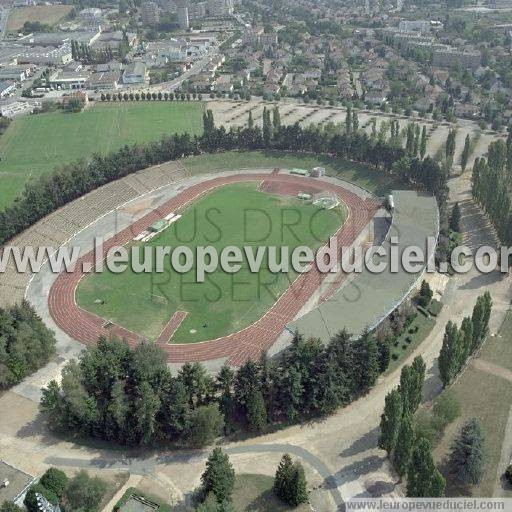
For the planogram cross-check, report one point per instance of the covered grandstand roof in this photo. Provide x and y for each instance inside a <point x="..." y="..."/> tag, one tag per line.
<point x="365" y="299"/>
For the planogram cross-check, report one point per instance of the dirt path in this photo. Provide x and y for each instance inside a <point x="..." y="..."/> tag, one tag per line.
<point x="493" y="369"/>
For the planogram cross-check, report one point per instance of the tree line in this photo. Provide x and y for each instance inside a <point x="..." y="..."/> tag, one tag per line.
<point x="147" y="96"/>
<point x="26" y="344"/>
<point x="459" y="344"/>
<point x="491" y="186"/>
<point x="130" y="397"/>
<point x="49" y="192"/>
<point x="410" y="455"/>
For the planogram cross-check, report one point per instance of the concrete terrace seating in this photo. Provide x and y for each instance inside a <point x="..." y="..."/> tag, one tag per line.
<point x="101" y="199"/>
<point x="61" y="225"/>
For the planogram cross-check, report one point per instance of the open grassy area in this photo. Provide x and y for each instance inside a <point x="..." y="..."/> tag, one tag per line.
<point x="253" y="493"/>
<point x="46" y="14"/>
<point x="377" y="182"/>
<point x="403" y="348"/>
<point x="488" y="398"/>
<point x="36" y="144"/>
<point x="234" y="215"/>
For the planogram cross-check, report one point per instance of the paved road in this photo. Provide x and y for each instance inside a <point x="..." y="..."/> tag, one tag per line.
<point x="148" y="465"/>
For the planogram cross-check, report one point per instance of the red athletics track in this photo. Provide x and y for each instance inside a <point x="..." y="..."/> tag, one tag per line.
<point x="238" y="347"/>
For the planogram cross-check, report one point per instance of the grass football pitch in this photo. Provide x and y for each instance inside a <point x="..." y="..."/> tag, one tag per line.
<point x="36" y="144"/>
<point x="233" y="215"/>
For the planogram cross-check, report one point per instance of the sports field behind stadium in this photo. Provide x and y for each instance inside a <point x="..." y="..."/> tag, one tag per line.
<point x="36" y="144"/>
<point x="237" y="214"/>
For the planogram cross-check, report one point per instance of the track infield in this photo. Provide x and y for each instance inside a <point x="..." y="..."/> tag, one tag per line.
<point x="237" y="347"/>
<point x="239" y="214"/>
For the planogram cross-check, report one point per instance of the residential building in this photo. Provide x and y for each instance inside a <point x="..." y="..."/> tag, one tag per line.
<point x="43" y="56"/>
<point x="448" y="56"/>
<point x="223" y="84"/>
<point x="183" y="16"/>
<point x="149" y="13"/>
<point x="197" y="11"/>
<point x="135" y="73"/>
<point x="421" y="26"/>
<point x="15" y="73"/>
<point x="90" y="16"/>
<point x="15" y="108"/>
<point x="218" y="8"/>
<point x="6" y="87"/>
<point x="268" y="39"/>
<point x="103" y="80"/>
<point x="73" y="76"/>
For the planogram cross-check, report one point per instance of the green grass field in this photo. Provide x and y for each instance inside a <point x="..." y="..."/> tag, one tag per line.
<point x="377" y="182"/>
<point x="36" y="144"/>
<point x="253" y="493"/>
<point x="488" y="398"/>
<point x="233" y="215"/>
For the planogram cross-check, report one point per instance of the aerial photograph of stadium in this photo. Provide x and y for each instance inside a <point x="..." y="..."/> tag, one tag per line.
<point x="255" y="255"/>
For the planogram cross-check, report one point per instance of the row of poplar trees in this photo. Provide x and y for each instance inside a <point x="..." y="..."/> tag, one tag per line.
<point x="411" y="456"/>
<point x="461" y="343"/>
<point x="492" y="186"/>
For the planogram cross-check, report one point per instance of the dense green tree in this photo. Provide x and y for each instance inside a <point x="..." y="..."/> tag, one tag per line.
<point x="225" y="380"/>
<point x="455" y="218"/>
<point x="256" y="411"/>
<point x="465" y="154"/>
<point x="290" y="482"/>
<point x="480" y="320"/>
<point x="85" y="492"/>
<point x="450" y="355"/>
<point x="423" y="143"/>
<point x="450" y="144"/>
<point x="298" y="492"/>
<point x="366" y="362"/>
<point x="423" y="478"/>
<point x="10" y="506"/>
<point x="409" y="143"/>
<point x="405" y="442"/>
<point x="390" y="421"/>
<point x="26" y="344"/>
<point x="55" y="480"/>
<point x="30" y="500"/>
<point x="205" y="424"/>
<point x="219" y="476"/>
<point x="426" y="294"/>
<point x="283" y="477"/>
<point x="348" y="120"/>
<point x="267" y="128"/>
<point x="468" y="457"/>
<point x="418" y="371"/>
<point x="276" y="118"/>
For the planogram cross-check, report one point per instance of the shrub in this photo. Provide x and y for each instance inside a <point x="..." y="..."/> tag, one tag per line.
<point x="508" y="473"/>
<point x="55" y="480"/>
<point x="206" y="423"/>
<point x="31" y="501"/>
<point x="446" y="408"/>
<point x="9" y="506"/>
<point x="85" y="492"/>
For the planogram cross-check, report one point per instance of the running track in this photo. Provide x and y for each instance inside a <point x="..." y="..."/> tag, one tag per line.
<point x="238" y="347"/>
